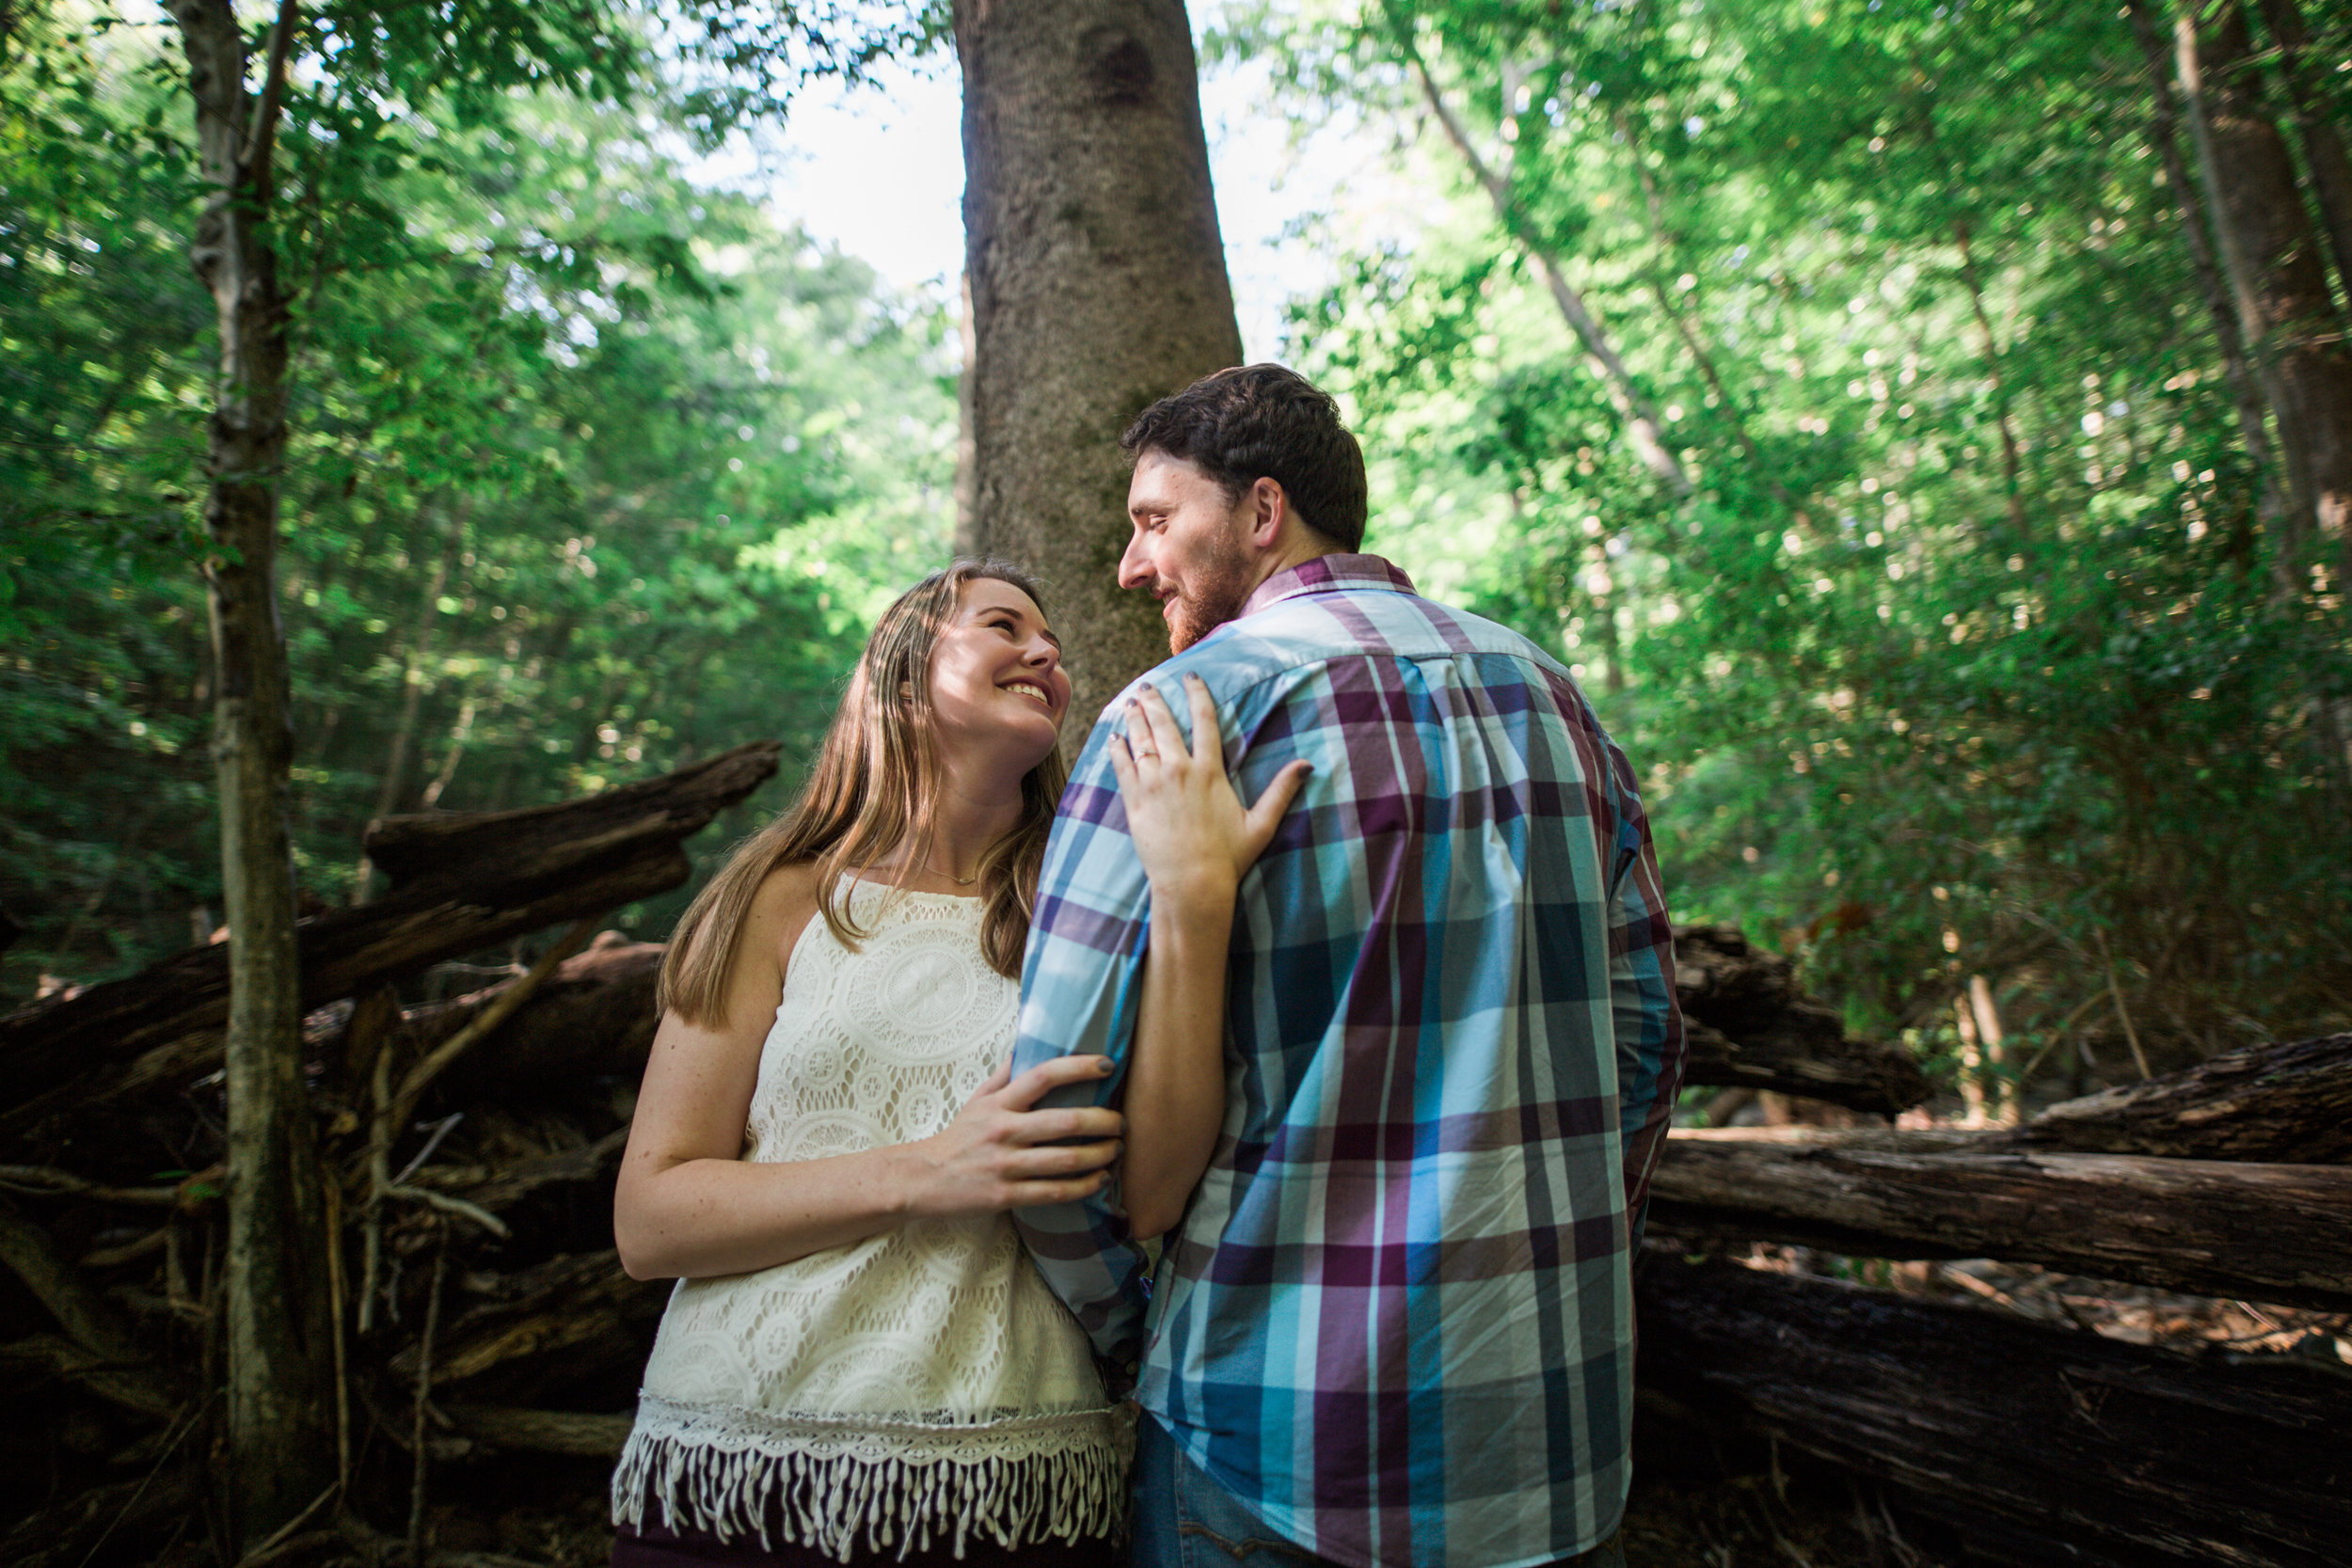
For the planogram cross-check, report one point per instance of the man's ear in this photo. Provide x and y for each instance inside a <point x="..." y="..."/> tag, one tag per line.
<point x="1268" y="506"/>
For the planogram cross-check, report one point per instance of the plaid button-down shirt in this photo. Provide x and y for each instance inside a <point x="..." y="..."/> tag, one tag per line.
<point x="1396" y="1320"/>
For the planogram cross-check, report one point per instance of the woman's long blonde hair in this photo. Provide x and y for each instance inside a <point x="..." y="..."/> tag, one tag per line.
<point x="875" y="788"/>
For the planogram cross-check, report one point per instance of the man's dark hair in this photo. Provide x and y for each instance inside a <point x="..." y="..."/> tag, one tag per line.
<point x="1258" y="422"/>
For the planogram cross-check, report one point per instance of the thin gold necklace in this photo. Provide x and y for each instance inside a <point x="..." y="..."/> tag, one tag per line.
<point x="959" y="881"/>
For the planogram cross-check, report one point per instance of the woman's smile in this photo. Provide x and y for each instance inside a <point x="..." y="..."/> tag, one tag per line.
<point x="1028" y="688"/>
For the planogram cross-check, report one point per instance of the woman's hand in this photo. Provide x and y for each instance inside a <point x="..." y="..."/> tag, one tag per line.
<point x="1195" y="839"/>
<point x="1000" y="1153"/>
<point x="1189" y="827"/>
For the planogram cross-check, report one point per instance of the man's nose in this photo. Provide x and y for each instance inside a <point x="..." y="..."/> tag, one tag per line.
<point x="1135" y="565"/>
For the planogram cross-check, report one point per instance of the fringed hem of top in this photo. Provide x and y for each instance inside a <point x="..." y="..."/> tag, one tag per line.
<point x="827" y="1482"/>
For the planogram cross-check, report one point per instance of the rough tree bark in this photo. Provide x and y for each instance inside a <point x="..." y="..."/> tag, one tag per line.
<point x="2281" y="1233"/>
<point x="2291" y="1103"/>
<point x="1752" y="1026"/>
<point x="280" y="1335"/>
<point x="2277" y="272"/>
<point x="2123" y="1454"/>
<point x="1098" y="285"/>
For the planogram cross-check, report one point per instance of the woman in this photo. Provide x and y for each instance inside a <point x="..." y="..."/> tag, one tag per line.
<point x="859" y="1362"/>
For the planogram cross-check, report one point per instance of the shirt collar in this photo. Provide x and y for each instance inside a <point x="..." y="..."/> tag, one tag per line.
<point x="1328" y="573"/>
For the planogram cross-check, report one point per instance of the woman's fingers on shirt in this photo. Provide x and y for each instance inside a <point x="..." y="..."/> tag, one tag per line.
<point x="1052" y="1160"/>
<point x="1208" y="743"/>
<point x="1160" y="742"/>
<point x="1062" y="1127"/>
<point x="1021" y="1093"/>
<point x="1031" y="1195"/>
<point x="1267" y="813"/>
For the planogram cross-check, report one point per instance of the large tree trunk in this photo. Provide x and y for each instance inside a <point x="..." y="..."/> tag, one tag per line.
<point x="2323" y="148"/>
<point x="2278" y="274"/>
<point x="279" y="1339"/>
<point x="2111" y="1454"/>
<point x="1098" y="285"/>
<point x="2281" y="1233"/>
<point x="2270" y="506"/>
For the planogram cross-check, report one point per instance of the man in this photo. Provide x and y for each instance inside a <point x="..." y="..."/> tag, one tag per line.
<point x="1395" y="1324"/>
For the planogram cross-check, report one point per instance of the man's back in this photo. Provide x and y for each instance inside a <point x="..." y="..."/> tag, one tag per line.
<point x="1396" y="1320"/>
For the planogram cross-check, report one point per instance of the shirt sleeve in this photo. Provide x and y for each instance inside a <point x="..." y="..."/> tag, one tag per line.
<point x="1645" y="1017"/>
<point x="1081" y="984"/>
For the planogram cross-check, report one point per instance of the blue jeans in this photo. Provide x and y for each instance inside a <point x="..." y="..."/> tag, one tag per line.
<point x="1183" y="1519"/>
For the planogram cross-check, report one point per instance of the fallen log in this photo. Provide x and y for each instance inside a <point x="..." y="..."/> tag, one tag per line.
<point x="131" y="1514"/>
<point x="2288" y="1104"/>
<point x="542" y="1430"/>
<point x="2113" y="1453"/>
<point x="1752" y="1026"/>
<point x="2267" y="1233"/>
<point x="592" y="1165"/>
<point x="463" y="881"/>
<point x="565" y="1322"/>
<point x="135" y="1386"/>
<point x="595" y="1015"/>
<point x="1862" y="1074"/>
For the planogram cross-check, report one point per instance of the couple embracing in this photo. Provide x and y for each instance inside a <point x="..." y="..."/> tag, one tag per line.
<point x="1382" y="1060"/>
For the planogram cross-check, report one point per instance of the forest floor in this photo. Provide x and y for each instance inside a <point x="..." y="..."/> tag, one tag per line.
<point x="1701" y="1499"/>
<point x="553" y="1514"/>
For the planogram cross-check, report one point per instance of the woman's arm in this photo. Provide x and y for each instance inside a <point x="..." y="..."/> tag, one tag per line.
<point x="1195" y="841"/>
<point x="688" y="1206"/>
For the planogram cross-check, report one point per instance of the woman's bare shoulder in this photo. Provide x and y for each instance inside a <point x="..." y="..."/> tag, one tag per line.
<point x="787" y="889"/>
<point x="782" y="908"/>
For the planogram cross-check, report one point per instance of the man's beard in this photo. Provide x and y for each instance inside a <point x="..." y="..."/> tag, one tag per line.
<point x="1221" y="587"/>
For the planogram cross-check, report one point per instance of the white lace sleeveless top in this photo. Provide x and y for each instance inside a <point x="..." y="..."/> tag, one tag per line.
<point x="919" y="1386"/>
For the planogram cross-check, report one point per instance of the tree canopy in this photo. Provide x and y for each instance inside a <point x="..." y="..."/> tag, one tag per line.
<point x="1968" y="648"/>
<point x="596" y="466"/>
<point x="1834" y="386"/>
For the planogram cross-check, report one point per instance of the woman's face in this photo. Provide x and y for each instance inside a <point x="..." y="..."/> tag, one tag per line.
<point x="996" y="675"/>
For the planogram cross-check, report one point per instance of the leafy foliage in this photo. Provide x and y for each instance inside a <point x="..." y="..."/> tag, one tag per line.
<point x="596" y="466"/>
<point x="1967" y="656"/>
